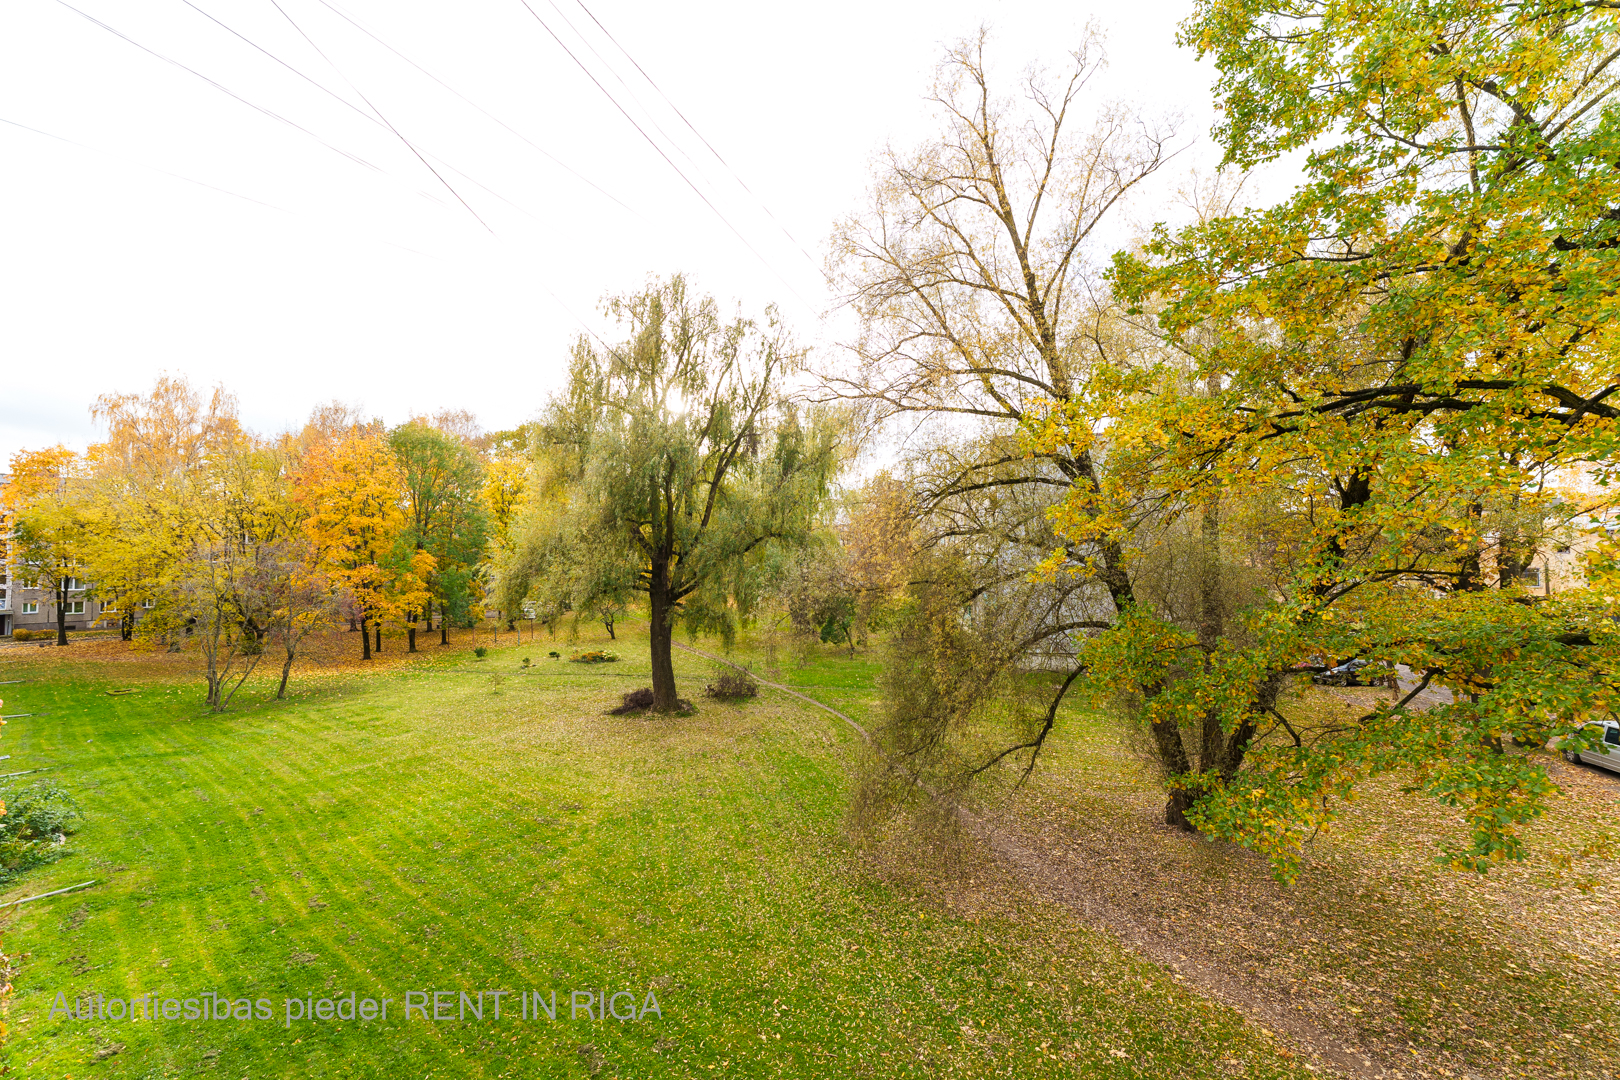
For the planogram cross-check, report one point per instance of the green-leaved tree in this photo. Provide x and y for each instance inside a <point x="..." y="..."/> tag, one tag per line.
<point x="670" y="465"/>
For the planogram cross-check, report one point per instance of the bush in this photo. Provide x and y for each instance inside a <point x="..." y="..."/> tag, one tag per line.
<point x="635" y="701"/>
<point x="38" y="819"/>
<point x="480" y="651"/>
<point x="595" y="656"/>
<point x="732" y="685"/>
<point x="22" y="635"/>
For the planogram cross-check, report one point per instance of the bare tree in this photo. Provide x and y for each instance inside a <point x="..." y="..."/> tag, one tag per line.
<point x="980" y="314"/>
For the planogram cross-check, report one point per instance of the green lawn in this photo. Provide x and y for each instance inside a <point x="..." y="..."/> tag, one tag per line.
<point x="457" y="825"/>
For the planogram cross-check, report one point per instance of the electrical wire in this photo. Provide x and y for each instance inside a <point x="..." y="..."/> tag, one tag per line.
<point x="190" y="180"/>
<point x="660" y="151"/>
<point x="361" y="94"/>
<point x="491" y="116"/>
<point x="259" y="108"/>
<point x="217" y="86"/>
<point x="630" y="90"/>
<point x="674" y="108"/>
<point x="164" y="172"/>
<point x="334" y="95"/>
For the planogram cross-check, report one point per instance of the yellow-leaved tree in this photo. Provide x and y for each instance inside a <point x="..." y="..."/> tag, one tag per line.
<point x="349" y="489"/>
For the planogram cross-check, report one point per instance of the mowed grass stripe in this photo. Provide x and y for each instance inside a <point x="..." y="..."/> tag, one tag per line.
<point x="433" y="815"/>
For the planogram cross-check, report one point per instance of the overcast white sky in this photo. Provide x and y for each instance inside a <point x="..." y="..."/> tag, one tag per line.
<point x="192" y="233"/>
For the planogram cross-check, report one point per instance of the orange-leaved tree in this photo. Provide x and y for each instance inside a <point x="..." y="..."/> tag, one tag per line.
<point x="349" y="488"/>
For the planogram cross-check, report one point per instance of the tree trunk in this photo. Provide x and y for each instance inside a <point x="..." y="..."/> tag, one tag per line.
<point x="1470" y="578"/>
<point x="410" y="637"/>
<point x="1175" y="812"/>
<point x="1212" y="751"/>
<point x="365" y="644"/>
<point x="444" y="626"/>
<point x="379" y="636"/>
<point x="660" y="633"/>
<point x="352" y="626"/>
<point x="607" y="621"/>
<point x="61" y="616"/>
<point x="286" y="670"/>
<point x="126" y="627"/>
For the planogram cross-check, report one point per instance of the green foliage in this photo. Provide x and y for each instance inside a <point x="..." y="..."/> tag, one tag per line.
<point x="1408" y="363"/>
<point x="443" y="483"/>
<point x="37" y="819"/>
<point x="672" y="464"/>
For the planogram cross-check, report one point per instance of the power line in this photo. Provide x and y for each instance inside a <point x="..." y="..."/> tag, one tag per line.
<point x="361" y="94"/>
<point x="628" y="89"/>
<point x="189" y="180"/>
<point x="164" y="172"/>
<point x="217" y="86"/>
<point x="660" y="150"/>
<point x="514" y="131"/>
<point x="700" y="136"/>
<point x="334" y="95"/>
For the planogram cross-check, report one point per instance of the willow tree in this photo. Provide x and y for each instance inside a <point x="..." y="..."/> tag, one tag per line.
<point x="1404" y="361"/>
<point x="671" y="464"/>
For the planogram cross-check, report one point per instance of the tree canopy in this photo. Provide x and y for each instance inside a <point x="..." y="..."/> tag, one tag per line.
<point x="1407" y="364"/>
<point x="671" y="464"/>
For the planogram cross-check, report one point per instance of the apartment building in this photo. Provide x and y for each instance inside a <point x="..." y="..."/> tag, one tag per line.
<point x="35" y="609"/>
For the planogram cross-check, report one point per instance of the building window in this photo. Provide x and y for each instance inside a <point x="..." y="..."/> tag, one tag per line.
<point x="148" y="604"/>
<point x="73" y="584"/>
<point x="30" y="609"/>
<point x="75" y="607"/>
<point x="1530" y="578"/>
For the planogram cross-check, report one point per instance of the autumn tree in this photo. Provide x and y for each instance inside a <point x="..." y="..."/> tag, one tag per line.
<point x="239" y="554"/>
<point x="879" y="538"/>
<point x="982" y="310"/>
<point x="142" y="478"/>
<point x="1399" y="362"/>
<point x="350" y="489"/>
<point x="675" y="462"/>
<point x="443" y="485"/>
<point x="46" y="503"/>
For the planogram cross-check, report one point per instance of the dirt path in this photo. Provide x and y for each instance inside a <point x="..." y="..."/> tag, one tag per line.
<point x="1292" y="1023"/>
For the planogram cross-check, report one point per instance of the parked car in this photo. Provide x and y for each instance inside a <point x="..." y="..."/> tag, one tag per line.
<point x="1345" y="674"/>
<point x="1353" y="673"/>
<point x="1607" y="755"/>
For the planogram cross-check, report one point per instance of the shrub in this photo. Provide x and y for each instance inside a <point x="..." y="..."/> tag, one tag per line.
<point x="480" y="651"/>
<point x="732" y="685"/>
<point x="635" y="701"/>
<point x="38" y="819"/>
<point x="22" y="635"/>
<point x="595" y="656"/>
